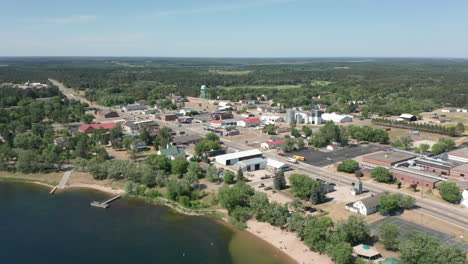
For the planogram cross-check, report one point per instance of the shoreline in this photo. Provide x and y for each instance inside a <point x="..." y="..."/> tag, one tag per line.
<point x="284" y="242"/>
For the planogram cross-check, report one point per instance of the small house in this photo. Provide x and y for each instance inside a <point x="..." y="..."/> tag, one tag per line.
<point x="252" y="122"/>
<point x="365" y="206"/>
<point x="108" y="114"/>
<point x="273" y="144"/>
<point x="89" y="128"/>
<point x="173" y="152"/>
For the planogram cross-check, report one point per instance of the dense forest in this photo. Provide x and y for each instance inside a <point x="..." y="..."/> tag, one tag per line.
<point x="387" y="86"/>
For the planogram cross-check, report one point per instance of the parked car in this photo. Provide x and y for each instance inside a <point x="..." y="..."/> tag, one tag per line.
<point x="292" y="160"/>
<point x="261" y="185"/>
<point x="280" y="154"/>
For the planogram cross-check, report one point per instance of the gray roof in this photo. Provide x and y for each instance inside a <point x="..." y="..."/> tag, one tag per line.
<point x="186" y="138"/>
<point x="371" y="201"/>
<point x="252" y="161"/>
<point x="391" y="156"/>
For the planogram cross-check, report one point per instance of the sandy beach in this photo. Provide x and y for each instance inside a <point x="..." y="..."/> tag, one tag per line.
<point x="96" y="187"/>
<point x="287" y="242"/>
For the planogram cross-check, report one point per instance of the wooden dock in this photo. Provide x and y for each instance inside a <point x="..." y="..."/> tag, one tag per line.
<point x="53" y="190"/>
<point x="105" y="204"/>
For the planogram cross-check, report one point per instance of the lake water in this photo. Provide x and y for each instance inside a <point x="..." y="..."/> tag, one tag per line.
<point x="36" y="227"/>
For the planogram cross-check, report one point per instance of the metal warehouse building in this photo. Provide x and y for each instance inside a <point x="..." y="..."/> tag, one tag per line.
<point x="233" y="158"/>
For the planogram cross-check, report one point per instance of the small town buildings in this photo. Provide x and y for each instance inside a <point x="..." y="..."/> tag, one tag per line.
<point x="462" y="110"/>
<point x="186" y="140"/>
<point x="336" y="118"/>
<point x="221" y="116"/>
<point x="185" y="119"/>
<point x="173" y="152"/>
<point x="434" y="166"/>
<point x="168" y="117"/>
<point x="460" y="171"/>
<point x="251" y="164"/>
<point x="449" y="110"/>
<point x="415" y="177"/>
<point x="133" y="108"/>
<point x="276" y="165"/>
<point x="224" y="104"/>
<point x="224" y="108"/>
<point x="276" y="144"/>
<point x="460" y="154"/>
<point x="252" y="122"/>
<point x="188" y="111"/>
<point x="224" y="123"/>
<point x="139" y="146"/>
<point x="408" y="117"/>
<point x="247" y="115"/>
<point x="364" y="206"/>
<point x="108" y="114"/>
<point x="271" y="119"/>
<point x="233" y="158"/>
<point x="387" y="158"/>
<point x="89" y="128"/>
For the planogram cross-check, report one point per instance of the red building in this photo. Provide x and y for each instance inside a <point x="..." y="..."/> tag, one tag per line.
<point x="415" y="177"/>
<point x="89" y="128"/>
<point x="221" y="116"/>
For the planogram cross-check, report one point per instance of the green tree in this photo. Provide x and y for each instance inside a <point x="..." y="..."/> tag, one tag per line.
<point x="212" y="137"/>
<point x="341" y="253"/>
<point x="229" y="177"/>
<point x="307" y="131"/>
<point x="179" y="166"/>
<point x="238" y="195"/>
<point x="419" y="248"/>
<point x="450" y="192"/>
<point x="348" y="165"/>
<point x="270" y="129"/>
<point x="295" y="133"/>
<point x="88" y="118"/>
<point x="127" y="142"/>
<point x="392" y="202"/>
<point x="317" y="195"/>
<point x="443" y="145"/>
<point x="301" y="185"/>
<point x="355" y="229"/>
<point x="424" y="147"/>
<point x="279" y="181"/>
<point x="389" y="235"/>
<point x="212" y="174"/>
<point x="382" y="174"/>
<point x="240" y="175"/>
<point x="158" y="162"/>
<point x="460" y="128"/>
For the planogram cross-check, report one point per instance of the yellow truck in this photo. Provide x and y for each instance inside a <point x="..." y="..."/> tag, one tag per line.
<point x="301" y="158"/>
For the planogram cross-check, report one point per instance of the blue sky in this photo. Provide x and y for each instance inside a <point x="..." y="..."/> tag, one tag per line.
<point x="242" y="28"/>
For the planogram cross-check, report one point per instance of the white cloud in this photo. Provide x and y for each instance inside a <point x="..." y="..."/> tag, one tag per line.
<point x="72" y="19"/>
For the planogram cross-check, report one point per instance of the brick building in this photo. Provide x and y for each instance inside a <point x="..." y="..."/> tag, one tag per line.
<point x="460" y="171"/>
<point x="419" y="178"/>
<point x="387" y="158"/>
<point x="434" y="166"/>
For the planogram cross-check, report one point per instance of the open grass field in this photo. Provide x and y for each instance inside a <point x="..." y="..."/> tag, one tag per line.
<point x="52" y="178"/>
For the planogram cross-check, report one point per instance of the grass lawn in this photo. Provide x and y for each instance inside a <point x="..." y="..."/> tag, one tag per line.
<point x="52" y="178"/>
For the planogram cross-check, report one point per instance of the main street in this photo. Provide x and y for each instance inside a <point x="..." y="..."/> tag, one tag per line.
<point x="442" y="211"/>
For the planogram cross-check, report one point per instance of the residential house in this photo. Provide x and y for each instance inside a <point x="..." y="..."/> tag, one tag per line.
<point x="108" y="114"/>
<point x="252" y="122"/>
<point x="364" y="206"/>
<point x="173" y="152"/>
<point x="276" y="144"/>
<point x="89" y="128"/>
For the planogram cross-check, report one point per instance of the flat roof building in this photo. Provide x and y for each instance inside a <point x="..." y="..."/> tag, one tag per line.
<point x="387" y="158"/>
<point x="460" y="154"/>
<point x="416" y="177"/>
<point x="251" y="164"/>
<point x="233" y="158"/>
<point x="460" y="171"/>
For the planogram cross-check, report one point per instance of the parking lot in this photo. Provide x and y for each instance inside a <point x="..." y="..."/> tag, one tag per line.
<point x="321" y="159"/>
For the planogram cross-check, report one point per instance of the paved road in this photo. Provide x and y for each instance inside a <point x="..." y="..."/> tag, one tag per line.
<point x="442" y="211"/>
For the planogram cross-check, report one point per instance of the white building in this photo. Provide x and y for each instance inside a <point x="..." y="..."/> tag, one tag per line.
<point x="277" y="165"/>
<point x="252" y="122"/>
<point x="448" y="110"/>
<point x="336" y="118"/>
<point x="365" y="206"/>
<point x="224" y="104"/>
<point x="233" y="158"/>
<point x="224" y="123"/>
<point x="271" y="119"/>
<point x="251" y="164"/>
